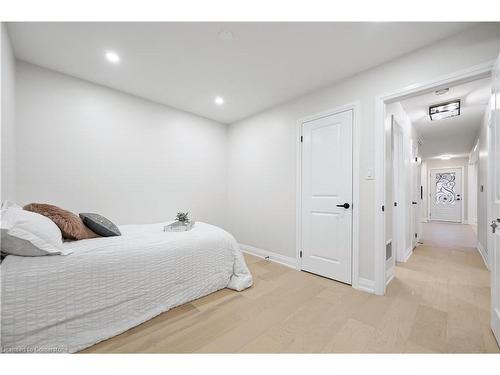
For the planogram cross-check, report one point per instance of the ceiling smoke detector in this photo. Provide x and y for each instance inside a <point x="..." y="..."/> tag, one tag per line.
<point x="226" y="35"/>
<point x="445" y="110"/>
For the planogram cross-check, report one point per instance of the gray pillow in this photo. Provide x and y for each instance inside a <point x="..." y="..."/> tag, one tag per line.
<point x="100" y="225"/>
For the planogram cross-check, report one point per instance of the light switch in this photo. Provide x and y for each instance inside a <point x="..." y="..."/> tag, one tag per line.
<point x="369" y="173"/>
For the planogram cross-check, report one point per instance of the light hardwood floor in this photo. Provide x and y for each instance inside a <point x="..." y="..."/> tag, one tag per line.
<point x="438" y="302"/>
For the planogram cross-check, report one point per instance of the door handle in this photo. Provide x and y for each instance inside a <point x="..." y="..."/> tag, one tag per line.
<point x="494" y="225"/>
<point x="345" y="205"/>
<point x="413" y="202"/>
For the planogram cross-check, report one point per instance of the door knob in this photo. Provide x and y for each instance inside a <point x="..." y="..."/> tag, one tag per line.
<point x="494" y="225"/>
<point x="345" y="205"/>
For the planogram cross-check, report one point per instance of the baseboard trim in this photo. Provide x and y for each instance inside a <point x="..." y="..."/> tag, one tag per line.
<point x="470" y="221"/>
<point x="390" y="275"/>
<point x="483" y="253"/>
<point x="273" y="257"/>
<point x="408" y="254"/>
<point x="366" y="285"/>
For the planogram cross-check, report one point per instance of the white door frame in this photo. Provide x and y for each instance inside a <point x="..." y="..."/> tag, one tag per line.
<point x="398" y="195"/>
<point x="355" y="186"/>
<point x="466" y="75"/>
<point x="429" y="189"/>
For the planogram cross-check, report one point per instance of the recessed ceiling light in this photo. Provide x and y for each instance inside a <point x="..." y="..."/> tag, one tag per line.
<point x="445" y="157"/>
<point x="445" y="110"/>
<point x="442" y="92"/>
<point x="226" y="35"/>
<point x="112" y="57"/>
<point x="219" y="100"/>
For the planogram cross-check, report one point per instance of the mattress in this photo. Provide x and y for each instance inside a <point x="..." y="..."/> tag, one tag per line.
<point x="109" y="285"/>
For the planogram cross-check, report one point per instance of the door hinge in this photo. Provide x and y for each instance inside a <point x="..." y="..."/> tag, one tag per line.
<point x="415" y="235"/>
<point x="395" y="204"/>
<point x="300" y="254"/>
<point x="383" y="208"/>
<point x="301" y="138"/>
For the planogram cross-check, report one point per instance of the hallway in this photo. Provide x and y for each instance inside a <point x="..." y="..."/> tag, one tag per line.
<point x="442" y="234"/>
<point x="447" y="278"/>
<point x="451" y="288"/>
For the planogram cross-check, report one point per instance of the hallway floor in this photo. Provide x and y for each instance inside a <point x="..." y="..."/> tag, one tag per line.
<point x="442" y="234"/>
<point x="438" y="302"/>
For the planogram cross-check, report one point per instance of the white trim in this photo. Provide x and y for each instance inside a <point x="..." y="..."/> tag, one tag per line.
<point x="408" y="254"/>
<point x="490" y="237"/>
<point x="391" y="270"/>
<point x="466" y="75"/>
<point x="355" y="107"/>
<point x="273" y="257"/>
<point x="389" y="278"/>
<point x="366" y="285"/>
<point x="462" y="214"/>
<point x="483" y="253"/>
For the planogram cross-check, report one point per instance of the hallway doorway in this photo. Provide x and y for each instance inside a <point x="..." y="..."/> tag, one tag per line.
<point x="444" y="135"/>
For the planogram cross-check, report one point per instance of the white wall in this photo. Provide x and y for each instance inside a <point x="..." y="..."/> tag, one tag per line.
<point x="262" y="149"/>
<point x="8" y="152"/>
<point x="438" y="163"/>
<point x="85" y="147"/>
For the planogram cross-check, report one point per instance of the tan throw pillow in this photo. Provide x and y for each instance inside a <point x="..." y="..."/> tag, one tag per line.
<point x="71" y="226"/>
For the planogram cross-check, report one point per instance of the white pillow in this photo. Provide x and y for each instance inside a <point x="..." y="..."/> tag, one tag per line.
<point x="26" y="233"/>
<point x="9" y="204"/>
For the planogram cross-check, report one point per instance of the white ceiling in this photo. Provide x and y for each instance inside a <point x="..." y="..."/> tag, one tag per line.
<point x="454" y="135"/>
<point x="185" y="65"/>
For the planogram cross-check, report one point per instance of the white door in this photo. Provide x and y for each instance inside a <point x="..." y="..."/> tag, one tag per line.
<point x="327" y="196"/>
<point x="494" y="182"/>
<point x="446" y="194"/>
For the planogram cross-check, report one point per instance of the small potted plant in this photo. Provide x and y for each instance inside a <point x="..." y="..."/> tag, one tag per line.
<point x="182" y="217"/>
<point x="182" y="223"/>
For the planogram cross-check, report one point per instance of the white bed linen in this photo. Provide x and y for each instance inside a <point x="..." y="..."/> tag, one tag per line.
<point x="109" y="285"/>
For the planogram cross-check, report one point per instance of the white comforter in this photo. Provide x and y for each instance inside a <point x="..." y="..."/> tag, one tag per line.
<point x="108" y="285"/>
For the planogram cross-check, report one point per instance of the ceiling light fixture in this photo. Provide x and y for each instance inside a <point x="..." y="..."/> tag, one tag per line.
<point x="112" y="57"/>
<point x="445" y="157"/>
<point x="442" y="92"/>
<point x="219" y="100"/>
<point x="445" y="110"/>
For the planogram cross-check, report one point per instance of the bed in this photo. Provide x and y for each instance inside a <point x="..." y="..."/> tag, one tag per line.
<point x="109" y="285"/>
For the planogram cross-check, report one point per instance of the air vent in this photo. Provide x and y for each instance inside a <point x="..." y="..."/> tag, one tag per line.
<point x="388" y="250"/>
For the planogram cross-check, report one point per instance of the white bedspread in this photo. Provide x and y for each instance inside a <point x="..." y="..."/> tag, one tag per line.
<point x="108" y="285"/>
